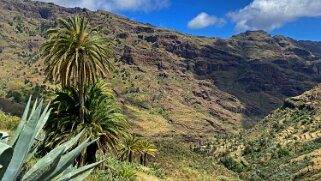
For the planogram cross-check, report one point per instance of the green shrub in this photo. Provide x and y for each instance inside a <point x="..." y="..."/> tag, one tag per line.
<point x="247" y="150"/>
<point x="309" y="147"/>
<point x="115" y="170"/>
<point x="8" y="106"/>
<point x="8" y="122"/>
<point x="232" y="164"/>
<point x="158" y="172"/>
<point x="161" y="112"/>
<point x="283" y="152"/>
<point x="15" y="95"/>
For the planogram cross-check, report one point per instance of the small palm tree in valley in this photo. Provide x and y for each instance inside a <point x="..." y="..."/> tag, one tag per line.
<point x="75" y="56"/>
<point x="146" y="149"/>
<point x="131" y="146"/>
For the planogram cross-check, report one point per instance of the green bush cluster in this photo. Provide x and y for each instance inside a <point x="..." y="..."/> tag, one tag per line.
<point x="115" y="170"/>
<point x="8" y="122"/>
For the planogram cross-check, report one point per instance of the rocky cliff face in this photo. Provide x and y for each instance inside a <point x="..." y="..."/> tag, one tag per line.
<point x="183" y="82"/>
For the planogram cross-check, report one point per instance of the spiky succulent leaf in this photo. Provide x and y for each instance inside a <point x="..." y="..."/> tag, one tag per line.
<point x="45" y="166"/>
<point x="80" y="173"/>
<point x="72" y="141"/>
<point x="22" y="123"/>
<point x="42" y="120"/>
<point x="24" y="142"/>
<point x="6" y="153"/>
<point x="50" y="166"/>
<point x="4" y="137"/>
<point x="68" y="159"/>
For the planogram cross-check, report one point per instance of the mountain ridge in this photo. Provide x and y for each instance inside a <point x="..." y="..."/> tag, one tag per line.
<point x="203" y="56"/>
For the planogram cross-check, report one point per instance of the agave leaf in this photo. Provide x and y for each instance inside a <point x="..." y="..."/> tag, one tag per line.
<point x="69" y="169"/>
<point x="33" y="107"/>
<point x="6" y="153"/>
<point x="34" y="148"/>
<point x="4" y="137"/>
<point x="23" y="145"/>
<point x="44" y="166"/>
<point x="80" y="173"/>
<point x="65" y="146"/>
<point x="42" y="120"/>
<point x="30" y="154"/>
<point x="21" y="124"/>
<point x="83" y="175"/>
<point x="72" y="142"/>
<point x="68" y="159"/>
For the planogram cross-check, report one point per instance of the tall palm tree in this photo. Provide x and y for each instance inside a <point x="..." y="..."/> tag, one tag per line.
<point x="102" y="118"/>
<point x="130" y="147"/>
<point x="75" y="55"/>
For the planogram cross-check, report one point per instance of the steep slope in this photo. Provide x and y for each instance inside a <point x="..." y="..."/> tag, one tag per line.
<point x="154" y="84"/>
<point x="283" y="146"/>
<point x="272" y="68"/>
<point x="197" y="83"/>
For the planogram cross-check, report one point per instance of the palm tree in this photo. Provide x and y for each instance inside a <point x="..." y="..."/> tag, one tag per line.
<point x="75" y="56"/>
<point x="146" y="149"/>
<point x="102" y="118"/>
<point x="130" y="147"/>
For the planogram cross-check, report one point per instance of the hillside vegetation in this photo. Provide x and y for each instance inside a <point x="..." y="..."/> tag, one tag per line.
<point x="193" y="97"/>
<point x="285" y="145"/>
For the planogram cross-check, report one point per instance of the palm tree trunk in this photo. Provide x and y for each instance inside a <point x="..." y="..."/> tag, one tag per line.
<point x="81" y="160"/>
<point x="82" y="104"/>
<point x="145" y="158"/>
<point x="130" y="157"/>
<point x="81" y="92"/>
<point x="141" y="159"/>
<point x="91" y="153"/>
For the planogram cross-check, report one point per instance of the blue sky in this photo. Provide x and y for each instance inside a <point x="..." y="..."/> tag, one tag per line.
<point x="300" y="19"/>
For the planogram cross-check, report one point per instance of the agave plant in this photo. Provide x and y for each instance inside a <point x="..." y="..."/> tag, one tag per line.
<point x="56" y="165"/>
<point x="103" y="118"/>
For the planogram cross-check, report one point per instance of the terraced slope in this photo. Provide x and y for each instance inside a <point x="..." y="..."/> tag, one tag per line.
<point x="286" y="145"/>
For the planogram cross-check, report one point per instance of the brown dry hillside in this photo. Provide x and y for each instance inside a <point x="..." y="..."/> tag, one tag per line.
<point x="184" y="84"/>
<point x="285" y="145"/>
<point x="157" y="87"/>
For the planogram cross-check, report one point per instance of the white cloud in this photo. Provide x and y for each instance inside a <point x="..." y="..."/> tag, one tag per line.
<point x="204" y="20"/>
<point x="114" y="5"/>
<point x="272" y="14"/>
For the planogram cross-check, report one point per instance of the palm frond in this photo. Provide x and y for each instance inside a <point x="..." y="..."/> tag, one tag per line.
<point x="68" y="45"/>
<point x="103" y="116"/>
